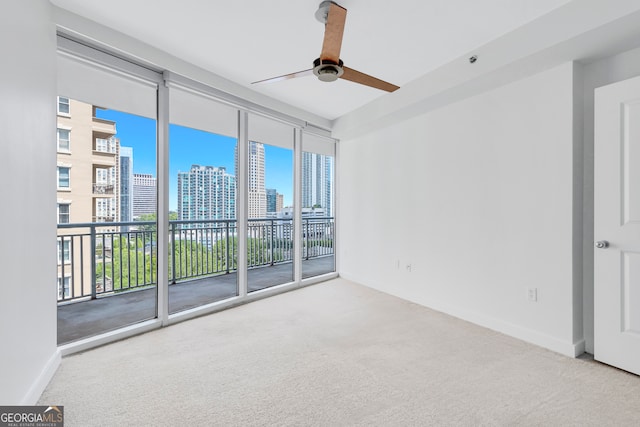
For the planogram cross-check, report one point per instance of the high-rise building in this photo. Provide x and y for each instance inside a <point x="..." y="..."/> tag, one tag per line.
<point x="317" y="181"/>
<point x="271" y="199"/>
<point x="279" y="202"/>
<point x="126" y="184"/>
<point x="275" y="200"/>
<point x="257" y="194"/>
<point x="144" y="195"/>
<point x="88" y="162"/>
<point x="206" y="192"/>
<point x="87" y="184"/>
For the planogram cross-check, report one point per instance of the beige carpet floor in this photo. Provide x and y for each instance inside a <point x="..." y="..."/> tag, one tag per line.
<point x="336" y="354"/>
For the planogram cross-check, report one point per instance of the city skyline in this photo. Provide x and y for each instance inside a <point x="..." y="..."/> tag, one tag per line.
<point x="190" y="147"/>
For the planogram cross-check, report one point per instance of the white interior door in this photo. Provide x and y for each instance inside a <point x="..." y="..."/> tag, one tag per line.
<point x="617" y="225"/>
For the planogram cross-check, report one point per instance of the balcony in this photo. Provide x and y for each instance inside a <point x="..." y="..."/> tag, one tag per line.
<point x="103" y="189"/>
<point x="103" y="127"/>
<point x="104" y="152"/>
<point x="104" y="218"/>
<point x="110" y="274"/>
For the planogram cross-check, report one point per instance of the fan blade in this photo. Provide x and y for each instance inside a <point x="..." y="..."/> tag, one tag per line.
<point x="333" y="31"/>
<point x="304" y="73"/>
<point x="367" y="80"/>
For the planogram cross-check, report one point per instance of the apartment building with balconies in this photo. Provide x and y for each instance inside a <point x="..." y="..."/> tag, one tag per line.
<point x="87" y="181"/>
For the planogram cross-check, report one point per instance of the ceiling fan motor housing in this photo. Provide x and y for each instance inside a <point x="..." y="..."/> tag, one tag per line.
<point x="323" y="11"/>
<point x="327" y="71"/>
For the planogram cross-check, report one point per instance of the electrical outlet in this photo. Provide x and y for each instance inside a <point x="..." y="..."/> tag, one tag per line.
<point x="408" y="267"/>
<point x="532" y="294"/>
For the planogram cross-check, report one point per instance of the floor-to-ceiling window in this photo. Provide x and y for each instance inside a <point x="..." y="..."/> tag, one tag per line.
<point x="106" y="135"/>
<point x="203" y="232"/>
<point x="318" y="206"/>
<point x="270" y="203"/>
<point x="175" y="199"/>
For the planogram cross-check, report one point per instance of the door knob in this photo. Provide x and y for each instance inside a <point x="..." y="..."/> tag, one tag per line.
<point x="602" y="244"/>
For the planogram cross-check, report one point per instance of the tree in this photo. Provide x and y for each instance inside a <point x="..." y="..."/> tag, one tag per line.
<point x="197" y="259"/>
<point x="151" y="217"/>
<point x="131" y="262"/>
<point x="147" y="218"/>
<point x="128" y="260"/>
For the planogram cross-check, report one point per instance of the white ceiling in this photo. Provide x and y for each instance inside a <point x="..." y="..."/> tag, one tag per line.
<point x="248" y="40"/>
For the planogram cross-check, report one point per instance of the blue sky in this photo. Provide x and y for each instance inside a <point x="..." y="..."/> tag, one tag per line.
<point x="190" y="146"/>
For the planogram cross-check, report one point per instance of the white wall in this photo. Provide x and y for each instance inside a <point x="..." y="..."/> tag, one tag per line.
<point x="28" y="355"/>
<point x="478" y="197"/>
<point x="599" y="73"/>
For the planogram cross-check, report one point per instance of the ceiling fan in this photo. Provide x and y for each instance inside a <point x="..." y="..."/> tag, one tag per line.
<point x="329" y="67"/>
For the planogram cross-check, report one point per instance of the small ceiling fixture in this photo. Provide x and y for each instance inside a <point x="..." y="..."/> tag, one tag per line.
<point x="329" y="67"/>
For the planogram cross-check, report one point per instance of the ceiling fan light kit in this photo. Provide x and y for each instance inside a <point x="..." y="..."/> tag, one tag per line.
<point x="329" y="67"/>
<point x="328" y="71"/>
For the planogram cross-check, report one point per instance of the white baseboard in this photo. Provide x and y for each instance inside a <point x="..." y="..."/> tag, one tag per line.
<point x="37" y="388"/>
<point x="579" y="347"/>
<point x="516" y="331"/>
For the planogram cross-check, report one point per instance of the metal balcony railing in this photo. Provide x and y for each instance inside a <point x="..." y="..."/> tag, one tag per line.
<point x="121" y="256"/>
<point x="103" y="189"/>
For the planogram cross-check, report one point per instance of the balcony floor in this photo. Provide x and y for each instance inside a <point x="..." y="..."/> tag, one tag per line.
<point x="87" y="318"/>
